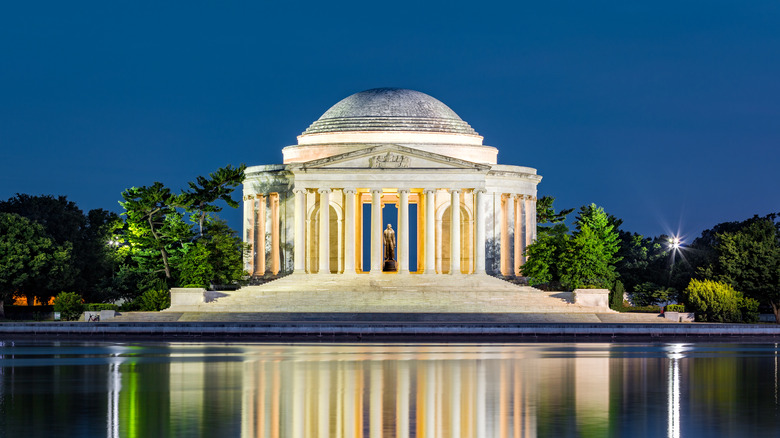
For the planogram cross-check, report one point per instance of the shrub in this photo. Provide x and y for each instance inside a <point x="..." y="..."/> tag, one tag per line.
<point x="70" y="305"/>
<point x="616" y="296"/>
<point x="97" y="307"/>
<point x="749" y="309"/>
<point x="157" y="298"/>
<point x="713" y="301"/>
<point x="675" y="308"/>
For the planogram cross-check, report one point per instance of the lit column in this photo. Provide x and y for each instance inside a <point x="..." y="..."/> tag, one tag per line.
<point x="519" y="240"/>
<point x="504" y="234"/>
<point x="349" y="226"/>
<point x="430" y="233"/>
<point x="455" y="232"/>
<point x="275" y="234"/>
<point x="324" y="231"/>
<point x="249" y="231"/>
<point x="300" y="223"/>
<point x="526" y="217"/>
<point x="260" y="236"/>
<point x="532" y="220"/>
<point x="403" y="233"/>
<point x="479" y="224"/>
<point x="377" y="255"/>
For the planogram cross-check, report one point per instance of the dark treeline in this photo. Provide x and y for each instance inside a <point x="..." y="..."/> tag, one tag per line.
<point x="732" y="261"/>
<point x="162" y="239"/>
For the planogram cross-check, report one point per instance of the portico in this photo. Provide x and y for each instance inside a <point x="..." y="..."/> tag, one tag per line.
<point x="320" y="211"/>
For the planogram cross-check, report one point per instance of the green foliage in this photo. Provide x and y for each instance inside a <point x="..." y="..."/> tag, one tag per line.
<point x="748" y="258"/>
<point x="585" y="258"/>
<point x="92" y="261"/>
<point x="70" y="305"/>
<point x="590" y="257"/>
<point x="545" y="212"/>
<point x="97" y="307"/>
<point x="30" y="259"/>
<point x="203" y="194"/>
<point x="647" y="294"/>
<point x="156" y="299"/>
<point x="155" y="230"/>
<point x="639" y="309"/>
<point x="543" y="256"/>
<point x="616" y="295"/>
<point x="713" y="301"/>
<point x="675" y="308"/>
<point x="195" y="268"/>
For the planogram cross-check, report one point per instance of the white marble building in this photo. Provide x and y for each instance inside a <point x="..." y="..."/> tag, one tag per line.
<point x="381" y="147"/>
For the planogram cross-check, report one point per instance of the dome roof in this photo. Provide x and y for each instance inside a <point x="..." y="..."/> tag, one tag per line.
<point x="390" y="109"/>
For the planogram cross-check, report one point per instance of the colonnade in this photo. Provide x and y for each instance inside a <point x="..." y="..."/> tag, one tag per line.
<point x="331" y="240"/>
<point x="353" y="199"/>
<point x="521" y="211"/>
<point x="262" y="217"/>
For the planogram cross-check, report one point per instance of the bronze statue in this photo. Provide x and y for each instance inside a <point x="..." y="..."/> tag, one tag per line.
<point x="389" y="243"/>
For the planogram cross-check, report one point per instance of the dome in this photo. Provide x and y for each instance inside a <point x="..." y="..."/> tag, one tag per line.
<point x="390" y="116"/>
<point x="390" y="109"/>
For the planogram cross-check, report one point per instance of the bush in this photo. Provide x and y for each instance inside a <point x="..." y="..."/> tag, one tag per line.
<point x="749" y="309"/>
<point x="70" y="305"/>
<point x="97" y="307"/>
<point x="156" y="299"/>
<point x="675" y="308"/>
<point x="713" y="301"/>
<point x="616" y="296"/>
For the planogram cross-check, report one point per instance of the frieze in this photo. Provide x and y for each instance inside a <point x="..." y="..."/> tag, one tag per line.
<point x="388" y="161"/>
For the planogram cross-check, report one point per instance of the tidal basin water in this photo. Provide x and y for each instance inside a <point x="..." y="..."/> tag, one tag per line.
<point x="146" y="389"/>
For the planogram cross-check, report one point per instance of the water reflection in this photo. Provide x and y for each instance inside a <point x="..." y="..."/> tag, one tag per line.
<point x="520" y="390"/>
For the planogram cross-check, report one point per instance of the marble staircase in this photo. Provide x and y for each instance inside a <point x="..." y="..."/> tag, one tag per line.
<point x="389" y="293"/>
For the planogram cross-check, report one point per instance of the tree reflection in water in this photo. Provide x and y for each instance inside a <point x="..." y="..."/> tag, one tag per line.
<point x="372" y="390"/>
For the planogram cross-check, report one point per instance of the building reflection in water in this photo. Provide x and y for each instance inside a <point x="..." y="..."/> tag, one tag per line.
<point x="395" y="390"/>
<point x="477" y="391"/>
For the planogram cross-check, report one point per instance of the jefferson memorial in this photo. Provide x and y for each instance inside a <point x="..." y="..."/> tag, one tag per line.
<point x="456" y="211"/>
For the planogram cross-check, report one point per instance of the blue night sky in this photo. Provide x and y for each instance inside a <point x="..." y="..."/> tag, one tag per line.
<point x="666" y="113"/>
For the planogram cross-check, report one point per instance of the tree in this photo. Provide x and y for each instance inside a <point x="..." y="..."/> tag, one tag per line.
<point x="591" y="255"/>
<point x="545" y="212"/>
<point x="93" y="261"/>
<point x="30" y="258"/>
<point x="203" y="193"/>
<point x="585" y="258"/>
<point x="200" y="250"/>
<point x="155" y="230"/>
<point x="544" y="255"/>
<point x="747" y="257"/>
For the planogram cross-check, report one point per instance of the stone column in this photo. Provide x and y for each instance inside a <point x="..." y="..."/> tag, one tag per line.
<point x="519" y="235"/>
<point x="349" y="227"/>
<point x="403" y="233"/>
<point x="324" y="231"/>
<point x="260" y="236"/>
<point x="479" y="224"/>
<point x="249" y="231"/>
<point x="430" y="232"/>
<point x="275" y="234"/>
<point x="532" y="220"/>
<point x="455" y="232"/>
<point x="300" y="227"/>
<point x="505" y="234"/>
<point x="377" y="255"/>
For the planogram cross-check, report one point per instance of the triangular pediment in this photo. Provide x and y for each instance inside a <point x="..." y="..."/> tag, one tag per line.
<point x="390" y="156"/>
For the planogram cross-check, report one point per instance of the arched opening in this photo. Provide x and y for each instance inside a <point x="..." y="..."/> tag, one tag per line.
<point x="443" y="235"/>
